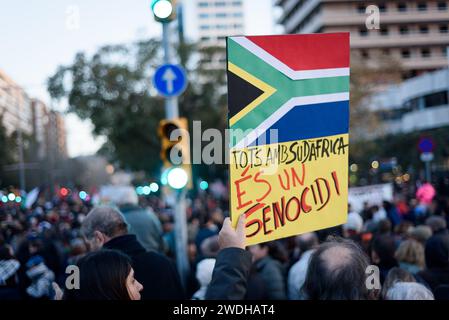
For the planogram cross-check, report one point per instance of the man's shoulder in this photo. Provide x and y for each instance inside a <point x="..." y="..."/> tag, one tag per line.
<point x="154" y="257"/>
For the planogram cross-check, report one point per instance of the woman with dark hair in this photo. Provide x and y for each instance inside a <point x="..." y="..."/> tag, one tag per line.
<point x="105" y="275"/>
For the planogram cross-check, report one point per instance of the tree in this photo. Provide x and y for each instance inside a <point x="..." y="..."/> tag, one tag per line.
<point x="113" y="90"/>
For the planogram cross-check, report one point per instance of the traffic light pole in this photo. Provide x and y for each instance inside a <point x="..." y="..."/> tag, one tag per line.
<point x="171" y="112"/>
<point x="171" y="104"/>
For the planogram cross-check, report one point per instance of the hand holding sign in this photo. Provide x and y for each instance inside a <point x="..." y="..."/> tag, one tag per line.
<point x="230" y="238"/>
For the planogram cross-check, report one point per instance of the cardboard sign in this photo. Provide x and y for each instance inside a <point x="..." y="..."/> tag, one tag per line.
<point x="289" y="119"/>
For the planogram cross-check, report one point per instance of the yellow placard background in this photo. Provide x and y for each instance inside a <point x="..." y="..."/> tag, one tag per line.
<point x="256" y="187"/>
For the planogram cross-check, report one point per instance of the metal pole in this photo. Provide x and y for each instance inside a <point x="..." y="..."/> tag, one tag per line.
<point x="171" y="104"/>
<point x="171" y="112"/>
<point x="428" y="175"/>
<point x="21" y="164"/>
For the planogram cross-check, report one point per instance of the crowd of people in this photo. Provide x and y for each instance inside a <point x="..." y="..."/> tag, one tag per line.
<point x="126" y="251"/>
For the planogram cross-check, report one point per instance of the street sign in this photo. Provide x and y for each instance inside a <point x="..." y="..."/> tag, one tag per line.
<point x="426" y="144"/>
<point x="289" y="119"/>
<point x="170" y="80"/>
<point x="426" y="156"/>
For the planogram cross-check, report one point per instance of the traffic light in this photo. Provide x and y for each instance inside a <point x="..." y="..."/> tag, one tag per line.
<point x="164" y="10"/>
<point x="176" y="154"/>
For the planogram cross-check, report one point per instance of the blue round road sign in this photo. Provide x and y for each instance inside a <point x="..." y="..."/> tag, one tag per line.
<point x="170" y="80"/>
<point x="426" y="145"/>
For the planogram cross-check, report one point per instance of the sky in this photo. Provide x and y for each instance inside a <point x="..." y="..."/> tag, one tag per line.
<point x="36" y="36"/>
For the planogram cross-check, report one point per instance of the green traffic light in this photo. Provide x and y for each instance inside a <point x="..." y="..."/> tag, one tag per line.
<point x="177" y="178"/>
<point x="162" y="9"/>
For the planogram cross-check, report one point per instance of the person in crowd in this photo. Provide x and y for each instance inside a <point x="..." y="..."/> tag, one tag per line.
<point x="105" y="275"/>
<point x="142" y="222"/>
<point x="437" y="260"/>
<point x="337" y="272"/>
<point x="307" y="244"/>
<point x="410" y="256"/>
<point x="268" y="258"/>
<point x="41" y="279"/>
<point x="409" y="291"/>
<point x="353" y="227"/>
<point x="379" y="213"/>
<point x="382" y="254"/>
<point x="394" y="276"/>
<point x="78" y="249"/>
<point x="437" y="224"/>
<point x="8" y="274"/>
<point x="208" y="228"/>
<point x="204" y="271"/>
<point x="420" y="233"/>
<point x="105" y="227"/>
<point x="384" y="227"/>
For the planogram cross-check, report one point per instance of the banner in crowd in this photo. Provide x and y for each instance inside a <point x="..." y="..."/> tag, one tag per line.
<point x="372" y="195"/>
<point x="288" y="99"/>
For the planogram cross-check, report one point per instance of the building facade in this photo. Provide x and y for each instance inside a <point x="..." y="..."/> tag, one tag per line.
<point x="56" y="136"/>
<point x="218" y="19"/>
<point x="417" y="104"/>
<point x="413" y="32"/>
<point x="213" y="21"/>
<point x="15" y="106"/>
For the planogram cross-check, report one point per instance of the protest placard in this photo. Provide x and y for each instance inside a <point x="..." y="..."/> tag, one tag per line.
<point x="288" y="113"/>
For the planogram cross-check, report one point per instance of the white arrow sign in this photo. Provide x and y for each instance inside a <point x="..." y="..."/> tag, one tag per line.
<point x="169" y="77"/>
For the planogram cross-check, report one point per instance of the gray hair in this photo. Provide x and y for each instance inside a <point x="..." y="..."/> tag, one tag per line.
<point x="107" y="220"/>
<point x="436" y="223"/>
<point x="409" y="291"/>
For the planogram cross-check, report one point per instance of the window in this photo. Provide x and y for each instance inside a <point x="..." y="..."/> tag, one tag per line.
<point x="220" y="38"/>
<point x="220" y="4"/>
<point x="443" y="28"/>
<point x="405" y="53"/>
<point x="203" y="4"/>
<point x="238" y="15"/>
<point x="365" y="54"/>
<point x="221" y="15"/>
<point x="204" y="16"/>
<point x="403" y="30"/>
<point x="435" y="99"/>
<point x="425" y="53"/>
<point x="444" y="51"/>
<point x="237" y="3"/>
<point x="422" y="6"/>
<point x="384" y="32"/>
<point x="238" y="26"/>
<point x="402" y="7"/>
<point x="442" y="5"/>
<point x="221" y="27"/>
<point x="386" y="52"/>
<point x="363" y="32"/>
<point x="423" y="29"/>
<point x="204" y="27"/>
<point x="361" y="9"/>
<point x="205" y="38"/>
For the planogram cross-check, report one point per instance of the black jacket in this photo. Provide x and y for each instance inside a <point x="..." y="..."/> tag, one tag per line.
<point x="154" y="271"/>
<point x="437" y="260"/>
<point x="230" y="276"/>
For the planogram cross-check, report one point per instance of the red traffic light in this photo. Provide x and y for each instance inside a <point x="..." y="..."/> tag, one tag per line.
<point x="64" y="192"/>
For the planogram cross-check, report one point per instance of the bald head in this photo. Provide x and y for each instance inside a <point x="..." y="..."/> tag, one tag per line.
<point x="337" y="272"/>
<point x="106" y="220"/>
